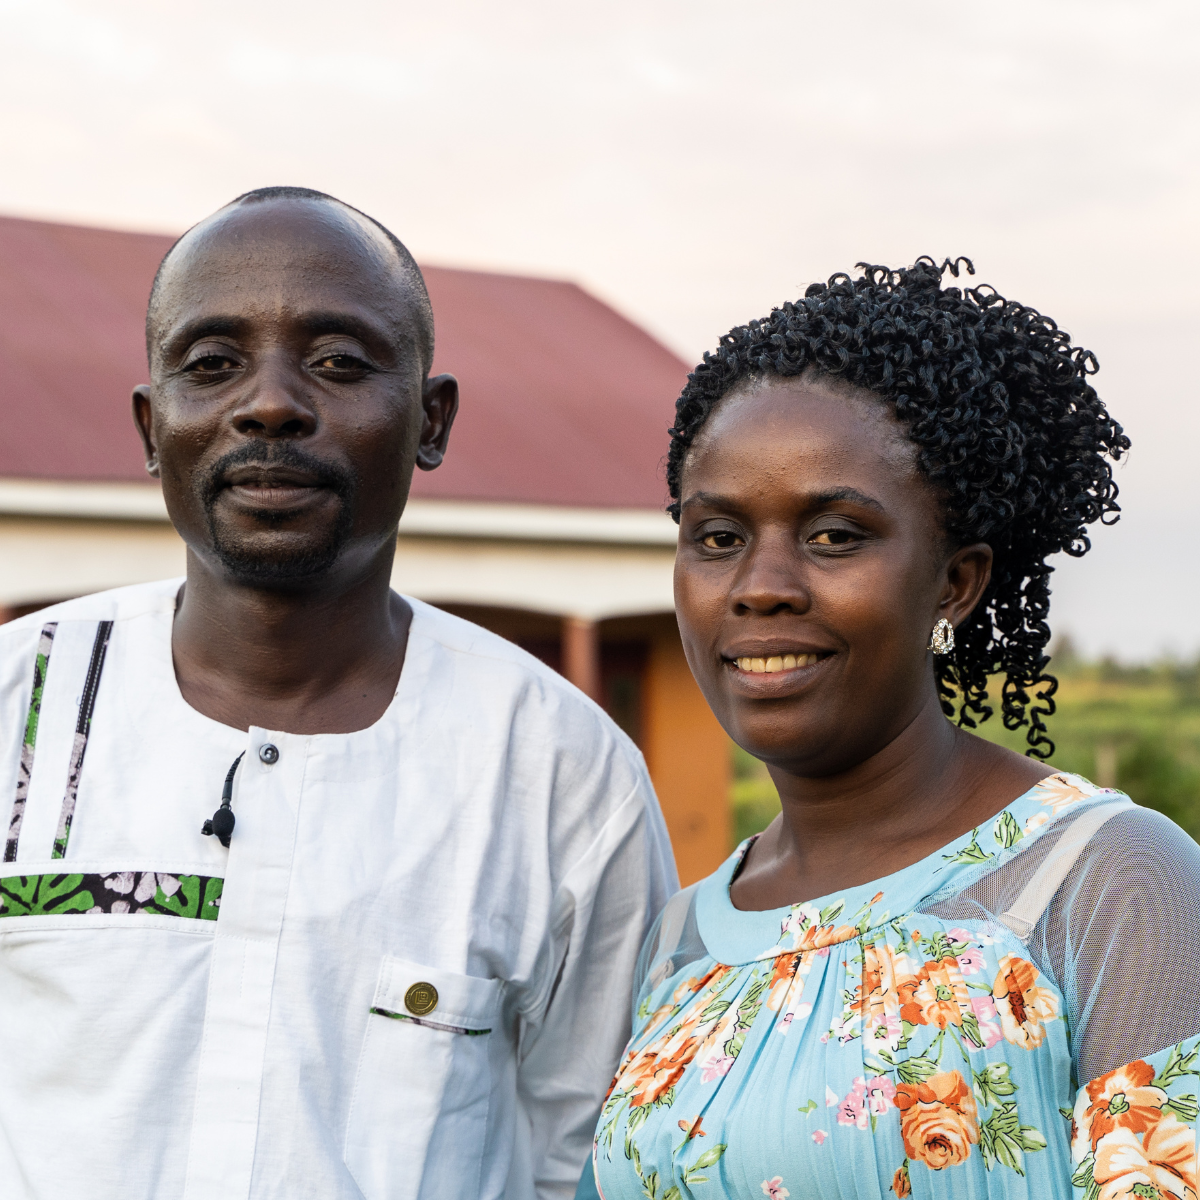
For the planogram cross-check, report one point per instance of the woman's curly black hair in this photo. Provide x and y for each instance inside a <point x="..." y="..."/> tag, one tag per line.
<point x="1008" y="429"/>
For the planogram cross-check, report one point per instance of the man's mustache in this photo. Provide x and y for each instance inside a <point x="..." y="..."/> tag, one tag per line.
<point x="337" y="478"/>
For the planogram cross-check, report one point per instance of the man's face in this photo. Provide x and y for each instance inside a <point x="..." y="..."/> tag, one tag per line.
<point x="289" y="400"/>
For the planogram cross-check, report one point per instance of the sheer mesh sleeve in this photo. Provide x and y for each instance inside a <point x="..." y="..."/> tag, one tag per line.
<point x="1122" y="939"/>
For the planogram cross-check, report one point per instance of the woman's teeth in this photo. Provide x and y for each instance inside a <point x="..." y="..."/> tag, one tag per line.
<point x="777" y="662"/>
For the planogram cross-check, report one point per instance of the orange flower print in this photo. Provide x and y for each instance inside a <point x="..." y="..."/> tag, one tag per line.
<point x="1058" y="792"/>
<point x="938" y="995"/>
<point x="1022" y="1005"/>
<point x="802" y="929"/>
<point x="655" y="1076"/>
<point x="900" y="1182"/>
<point x="786" y="966"/>
<point x="692" y="1129"/>
<point x="1122" y="1099"/>
<point x="820" y="936"/>
<point x="1162" y="1163"/>
<point x="939" y="1120"/>
<point x="658" y="1066"/>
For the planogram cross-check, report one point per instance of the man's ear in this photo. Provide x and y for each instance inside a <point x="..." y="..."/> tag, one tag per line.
<point x="143" y="418"/>
<point x="439" y="400"/>
<point x="967" y="575"/>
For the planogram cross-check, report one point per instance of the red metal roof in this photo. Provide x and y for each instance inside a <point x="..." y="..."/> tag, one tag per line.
<point x="564" y="401"/>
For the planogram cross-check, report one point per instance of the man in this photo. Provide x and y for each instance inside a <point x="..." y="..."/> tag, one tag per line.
<point x="309" y="890"/>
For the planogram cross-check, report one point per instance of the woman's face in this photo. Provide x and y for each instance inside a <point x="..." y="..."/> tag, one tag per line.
<point x="811" y="570"/>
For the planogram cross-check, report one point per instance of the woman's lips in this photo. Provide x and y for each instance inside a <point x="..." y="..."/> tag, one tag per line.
<point x="775" y="663"/>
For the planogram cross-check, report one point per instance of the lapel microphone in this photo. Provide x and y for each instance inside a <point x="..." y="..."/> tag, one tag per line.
<point x="223" y="820"/>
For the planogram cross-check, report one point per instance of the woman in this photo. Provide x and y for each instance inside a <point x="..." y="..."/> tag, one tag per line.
<point x="944" y="969"/>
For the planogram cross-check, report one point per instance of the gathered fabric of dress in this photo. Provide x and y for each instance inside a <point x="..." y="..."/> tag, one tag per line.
<point x="1017" y="1015"/>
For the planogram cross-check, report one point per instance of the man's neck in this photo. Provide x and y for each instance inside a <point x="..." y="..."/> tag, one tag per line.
<point x="321" y="660"/>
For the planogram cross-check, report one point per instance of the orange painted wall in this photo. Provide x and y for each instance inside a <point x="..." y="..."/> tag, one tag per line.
<point x="688" y="754"/>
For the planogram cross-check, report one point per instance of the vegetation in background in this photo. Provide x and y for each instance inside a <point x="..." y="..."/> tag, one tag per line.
<point x="1135" y="728"/>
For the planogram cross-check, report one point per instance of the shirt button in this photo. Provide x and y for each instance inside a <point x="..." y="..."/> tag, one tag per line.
<point x="268" y="753"/>
<point x="421" y="999"/>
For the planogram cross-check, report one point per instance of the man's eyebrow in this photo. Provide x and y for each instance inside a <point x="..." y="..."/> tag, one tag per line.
<point x="203" y="327"/>
<point x="818" y="500"/>
<point x="318" y="323"/>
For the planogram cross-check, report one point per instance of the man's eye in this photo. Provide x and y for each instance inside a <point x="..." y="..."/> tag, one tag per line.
<point x="832" y="537"/>
<point x="340" y="362"/>
<point x="210" y="363"/>
<point x="722" y="540"/>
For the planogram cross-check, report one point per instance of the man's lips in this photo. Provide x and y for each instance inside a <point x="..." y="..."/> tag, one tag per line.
<point x="267" y="487"/>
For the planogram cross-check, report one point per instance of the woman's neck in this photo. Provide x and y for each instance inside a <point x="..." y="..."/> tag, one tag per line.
<point x="927" y="786"/>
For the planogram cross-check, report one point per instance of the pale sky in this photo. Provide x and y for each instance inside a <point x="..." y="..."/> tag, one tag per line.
<point x="694" y="164"/>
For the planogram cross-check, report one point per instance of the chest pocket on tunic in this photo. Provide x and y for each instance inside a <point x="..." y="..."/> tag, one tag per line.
<point x="423" y="1084"/>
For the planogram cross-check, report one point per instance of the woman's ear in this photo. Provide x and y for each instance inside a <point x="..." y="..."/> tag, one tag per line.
<point x="967" y="575"/>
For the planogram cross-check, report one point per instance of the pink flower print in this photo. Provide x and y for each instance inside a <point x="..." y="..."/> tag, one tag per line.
<point x="823" y="952"/>
<point x="885" y="1030"/>
<point x="801" y="1011"/>
<point x="959" y="934"/>
<point x="715" y="1066"/>
<point x="881" y="1093"/>
<point x="824" y="1038"/>
<point x="853" y="1109"/>
<point x="984" y="1008"/>
<point x="831" y="1100"/>
<point x="819" y="1136"/>
<point x="774" y="1188"/>
<point x="970" y="962"/>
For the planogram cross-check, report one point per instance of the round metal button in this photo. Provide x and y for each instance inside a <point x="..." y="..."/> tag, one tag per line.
<point x="268" y="753"/>
<point x="421" y="999"/>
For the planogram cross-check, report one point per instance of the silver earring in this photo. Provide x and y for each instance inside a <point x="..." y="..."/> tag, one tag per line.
<point x="941" y="640"/>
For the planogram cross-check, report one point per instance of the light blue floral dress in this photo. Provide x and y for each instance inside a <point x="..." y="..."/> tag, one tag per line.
<point x="898" y="1039"/>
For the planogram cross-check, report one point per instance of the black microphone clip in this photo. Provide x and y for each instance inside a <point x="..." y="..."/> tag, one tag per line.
<point x="223" y="820"/>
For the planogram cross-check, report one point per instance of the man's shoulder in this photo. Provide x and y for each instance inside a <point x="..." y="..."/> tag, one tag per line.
<point x="464" y="638"/>
<point x="116" y="605"/>
<point x="500" y="663"/>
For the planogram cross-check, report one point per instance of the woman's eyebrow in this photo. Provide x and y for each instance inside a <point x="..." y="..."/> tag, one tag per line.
<point x="833" y="495"/>
<point x="817" y="500"/>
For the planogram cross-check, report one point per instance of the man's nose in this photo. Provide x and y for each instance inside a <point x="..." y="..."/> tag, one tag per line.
<point x="276" y="402"/>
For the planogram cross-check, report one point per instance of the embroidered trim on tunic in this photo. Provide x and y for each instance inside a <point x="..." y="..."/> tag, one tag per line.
<point x="384" y="1012"/>
<point x="193" y="897"/>
<point x="41" y="665"/>
<point x="82" y="728"/>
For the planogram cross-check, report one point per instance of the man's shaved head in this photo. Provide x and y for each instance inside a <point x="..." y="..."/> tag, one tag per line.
<point x="406" y="266"/>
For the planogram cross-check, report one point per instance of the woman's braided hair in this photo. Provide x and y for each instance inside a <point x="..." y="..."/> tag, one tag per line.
<point x="1009" y="432"/>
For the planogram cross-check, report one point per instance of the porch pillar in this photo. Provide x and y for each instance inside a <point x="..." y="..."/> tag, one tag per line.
<point x="581" y="655"/>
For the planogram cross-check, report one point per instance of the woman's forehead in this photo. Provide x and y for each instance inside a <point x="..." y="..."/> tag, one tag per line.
<point x="802" y="417"/>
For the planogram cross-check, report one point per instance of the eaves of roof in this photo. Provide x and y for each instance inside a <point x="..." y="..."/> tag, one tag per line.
<point x="422" y="518"/>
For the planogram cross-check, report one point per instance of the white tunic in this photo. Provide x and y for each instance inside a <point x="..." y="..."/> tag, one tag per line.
<point x="492" y="836"/>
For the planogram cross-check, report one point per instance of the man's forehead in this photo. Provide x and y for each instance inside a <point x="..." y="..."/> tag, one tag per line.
<point x="275" y="238"/>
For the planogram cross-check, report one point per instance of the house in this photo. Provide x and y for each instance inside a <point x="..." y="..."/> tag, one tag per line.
<point x="545" y="523"/>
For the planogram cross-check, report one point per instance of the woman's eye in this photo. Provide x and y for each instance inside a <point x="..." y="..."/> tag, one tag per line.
<point x="722" y="540"/>
<point x="832" y="537"/>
